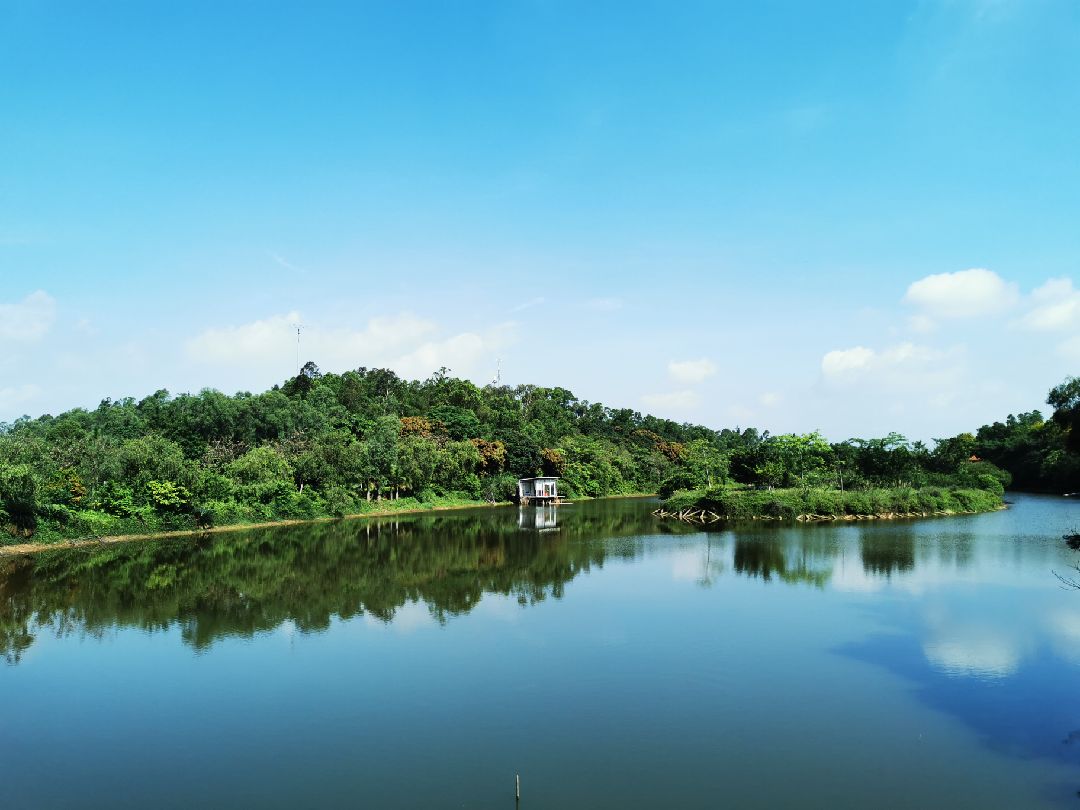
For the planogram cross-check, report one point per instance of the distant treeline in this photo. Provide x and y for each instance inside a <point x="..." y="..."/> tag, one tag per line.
<point x="332" y="444"/>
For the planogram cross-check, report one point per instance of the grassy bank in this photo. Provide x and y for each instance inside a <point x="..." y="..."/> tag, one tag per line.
<point x="403" y="506"/>
<point x="91" y="526"/>
<point x="789" y="504"/>
<point x="622" y="495"/>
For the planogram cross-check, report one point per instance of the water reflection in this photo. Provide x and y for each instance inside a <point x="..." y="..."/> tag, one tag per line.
<point x="962" y="614"/>
<point x="978" y="628"/>
<point x="539" y="517"/>
<point x="1012" y="691"/>
<point x="244" y="583"/>
<point x="805" y="557"/>
<point x="888" y="552"/>
<point x="976" y="652"/>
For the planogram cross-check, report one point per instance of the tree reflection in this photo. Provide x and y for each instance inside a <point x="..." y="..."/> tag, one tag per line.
<point x="245" y="583"/>
<point x="885" y="553"/>
<point x="759" y="557"/>
<point x="800" y="557"/>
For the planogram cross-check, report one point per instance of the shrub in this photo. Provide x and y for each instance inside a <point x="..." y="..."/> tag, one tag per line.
<point x="499" y="487"/>
<point x="18" y="497"/>
<point x="203" y="516"/>
<point x="789" y="503"/>
<point x="295" y="505"/>
<point x="991" y="483"/>
<point x="338" y="501"/>
<point x="89" y="523"/>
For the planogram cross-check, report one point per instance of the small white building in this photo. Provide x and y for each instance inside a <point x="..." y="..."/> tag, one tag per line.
<point x="538" y="489"/>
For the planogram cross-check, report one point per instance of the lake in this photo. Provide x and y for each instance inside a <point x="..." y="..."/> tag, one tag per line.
<point x="609" y="659"/>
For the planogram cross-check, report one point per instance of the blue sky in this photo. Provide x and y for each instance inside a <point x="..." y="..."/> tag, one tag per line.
<point x="854" y="217"/>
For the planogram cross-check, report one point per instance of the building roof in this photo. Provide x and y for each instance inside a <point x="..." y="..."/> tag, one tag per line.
<point x="541" y="478"/>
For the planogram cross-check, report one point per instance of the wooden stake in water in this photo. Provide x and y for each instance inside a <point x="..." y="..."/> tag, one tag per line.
<point x="517" y="787"/>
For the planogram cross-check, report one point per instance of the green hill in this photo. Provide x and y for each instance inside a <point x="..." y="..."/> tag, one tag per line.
<point x="365" y="440"/>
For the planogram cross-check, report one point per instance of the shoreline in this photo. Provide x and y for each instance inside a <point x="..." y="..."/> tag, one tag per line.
<point x="706" y="516"/>
<point x="20" y="549"/>
<point x="809" y="505"/>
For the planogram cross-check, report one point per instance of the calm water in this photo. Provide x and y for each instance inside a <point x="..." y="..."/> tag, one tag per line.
<point x="611" y="660"/>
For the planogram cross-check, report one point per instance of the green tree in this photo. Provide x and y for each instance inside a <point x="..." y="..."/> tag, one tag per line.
<point x="18" y="497"/>
<point x="262" y="474"/>
<point x="1066" y="401"/>
<point x="382" y="451"/>
<point x="707" y="465"/>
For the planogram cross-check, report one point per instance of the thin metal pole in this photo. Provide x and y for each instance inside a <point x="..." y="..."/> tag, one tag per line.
<point x="517" y="787"/>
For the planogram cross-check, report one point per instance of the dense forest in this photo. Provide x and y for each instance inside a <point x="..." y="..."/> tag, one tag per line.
<point x="367" y="440"/>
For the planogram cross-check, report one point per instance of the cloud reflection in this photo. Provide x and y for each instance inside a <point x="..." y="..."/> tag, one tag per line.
<point x="974" y="656"/>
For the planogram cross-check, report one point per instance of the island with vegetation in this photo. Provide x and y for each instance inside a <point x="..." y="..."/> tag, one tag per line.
<point x="367" y="442"/>
<point x="813" y="504"/>
<point x="809" y="479"/>
<point x="803" y="477"/>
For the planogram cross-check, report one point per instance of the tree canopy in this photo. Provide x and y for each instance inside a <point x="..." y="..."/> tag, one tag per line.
<point x="330" y="444"/>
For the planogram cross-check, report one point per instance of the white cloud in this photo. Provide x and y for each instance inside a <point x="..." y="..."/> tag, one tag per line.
<point x="903" y="367"/>
<point x="691" y="371"/>
<point x="405" y="343"/>
<point x="29" y="319"/>
<point x="964" y="294"/>
<point x="842" y="361"/>
<point x="254" y="342"/>
<point x="460" y="353"/>
<point x="673" y="400"/>
<point x="1055" y="307"/>
<point x="274" y="340"/>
